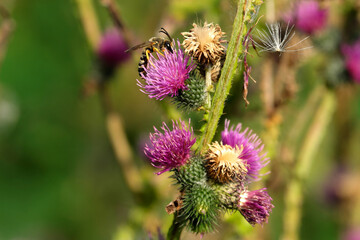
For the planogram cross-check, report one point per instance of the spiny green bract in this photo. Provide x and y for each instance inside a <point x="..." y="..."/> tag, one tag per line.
<point x="200" y="208"/>
<point x="193" y="98"/>
<point x="191" y="173"/>
<point x="228" y="194"/>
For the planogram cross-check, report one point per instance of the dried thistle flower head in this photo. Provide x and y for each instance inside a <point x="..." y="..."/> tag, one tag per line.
<point x="205" y="43"/>
<point x="223" y="163"/>
<point x="216" y="70"/>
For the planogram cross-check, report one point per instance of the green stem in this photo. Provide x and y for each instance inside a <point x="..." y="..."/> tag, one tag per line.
<point x="294" y="192"/>
<point x="175" y="229"/>
<point x="226" y="77"/>
<point x="299" y="126"/>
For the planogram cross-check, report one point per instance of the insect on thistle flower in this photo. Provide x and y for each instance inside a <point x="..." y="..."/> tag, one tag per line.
<point x="273" y="40"/>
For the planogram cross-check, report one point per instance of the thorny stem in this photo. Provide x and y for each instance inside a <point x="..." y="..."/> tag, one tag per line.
<point x="294" y="191"/>
<point x="110" y="5"/>
<point x="114" y="13"/>
<point x="227" y="75"/>
<point x="176" y="228"/>
<point x="119" y="142"/>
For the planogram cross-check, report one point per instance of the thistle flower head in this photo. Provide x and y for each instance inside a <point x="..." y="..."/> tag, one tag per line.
<point x="310" y="17"/>
<point x="352" y="233"/>
<point x="111" y="50"/>
<point x="229" y="194"/>
<point x="172" y="148"/>
<point x="223" y="163"/>
<point x="352" y="59"/>
<point x="166" y="74"/>
<point x="273" y="40"/>
<point x="205" y="43"/>
<point x="194" y="97"/>
<point x="251" y="147"/>
<point x="255" y="206"/>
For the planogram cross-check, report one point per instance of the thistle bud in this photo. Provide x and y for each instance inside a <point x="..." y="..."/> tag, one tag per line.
<point x="194" y="97"/>
<point x="229" y="194"/>
<point x="191" y="173"/>
<point x="200" y="208"/>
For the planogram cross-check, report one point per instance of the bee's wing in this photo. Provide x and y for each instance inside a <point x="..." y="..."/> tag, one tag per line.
<point x="142" y="45"/>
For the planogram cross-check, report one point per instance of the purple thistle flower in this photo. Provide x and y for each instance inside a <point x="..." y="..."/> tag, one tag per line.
<point x="170" y="149"/>
<point x="255" y="206"/>
<point x="310" y="17"/>
<point x="112" y="48"/>
<point x="167" y="74"/>
<point x="252" y="147"/>
<point x="353" y="233"/>
<point x="352" y="59"/>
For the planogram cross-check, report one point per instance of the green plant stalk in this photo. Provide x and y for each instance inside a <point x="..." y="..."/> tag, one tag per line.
<point x="294" y="191"/>
<point x="90" y="23"/>
<point x="303" y="117"/>
<point x="114" y="123"/>
<point x="227" y="74"/>
<point x="176" y="228"/>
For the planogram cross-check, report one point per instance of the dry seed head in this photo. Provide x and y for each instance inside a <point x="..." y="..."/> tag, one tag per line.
<point x="205" y="43"/>
<point x="223" y="163"/>
<point x="273" y="40"/>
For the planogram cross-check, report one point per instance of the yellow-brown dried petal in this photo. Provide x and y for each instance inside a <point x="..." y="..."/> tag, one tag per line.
<point x="205" y="43"/>
<point x="223" y="163"/>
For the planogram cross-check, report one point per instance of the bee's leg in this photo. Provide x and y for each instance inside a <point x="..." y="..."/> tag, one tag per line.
<point x="157" y="50"/>
<point x="147" y="52"/>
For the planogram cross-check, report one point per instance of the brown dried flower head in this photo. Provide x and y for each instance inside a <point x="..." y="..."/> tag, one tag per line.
<point x="215" y="71"/>
<point x="205" y="43"/>
<point x="223" y="163"/>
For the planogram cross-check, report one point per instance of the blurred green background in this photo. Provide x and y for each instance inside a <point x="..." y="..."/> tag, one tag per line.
<point x="59" y="175"/>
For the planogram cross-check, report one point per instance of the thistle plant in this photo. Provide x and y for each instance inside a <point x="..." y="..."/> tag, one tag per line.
<point x="212" y="176"/>
<point x="213" y="182"/>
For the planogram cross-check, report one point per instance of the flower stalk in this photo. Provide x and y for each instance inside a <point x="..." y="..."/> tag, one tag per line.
<point x="6" y="28"/>
<point x="294" y="192"/>
<point x="176" y="228"/>
<point x="227" y="74"/>
<point x="114" y="122"/>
